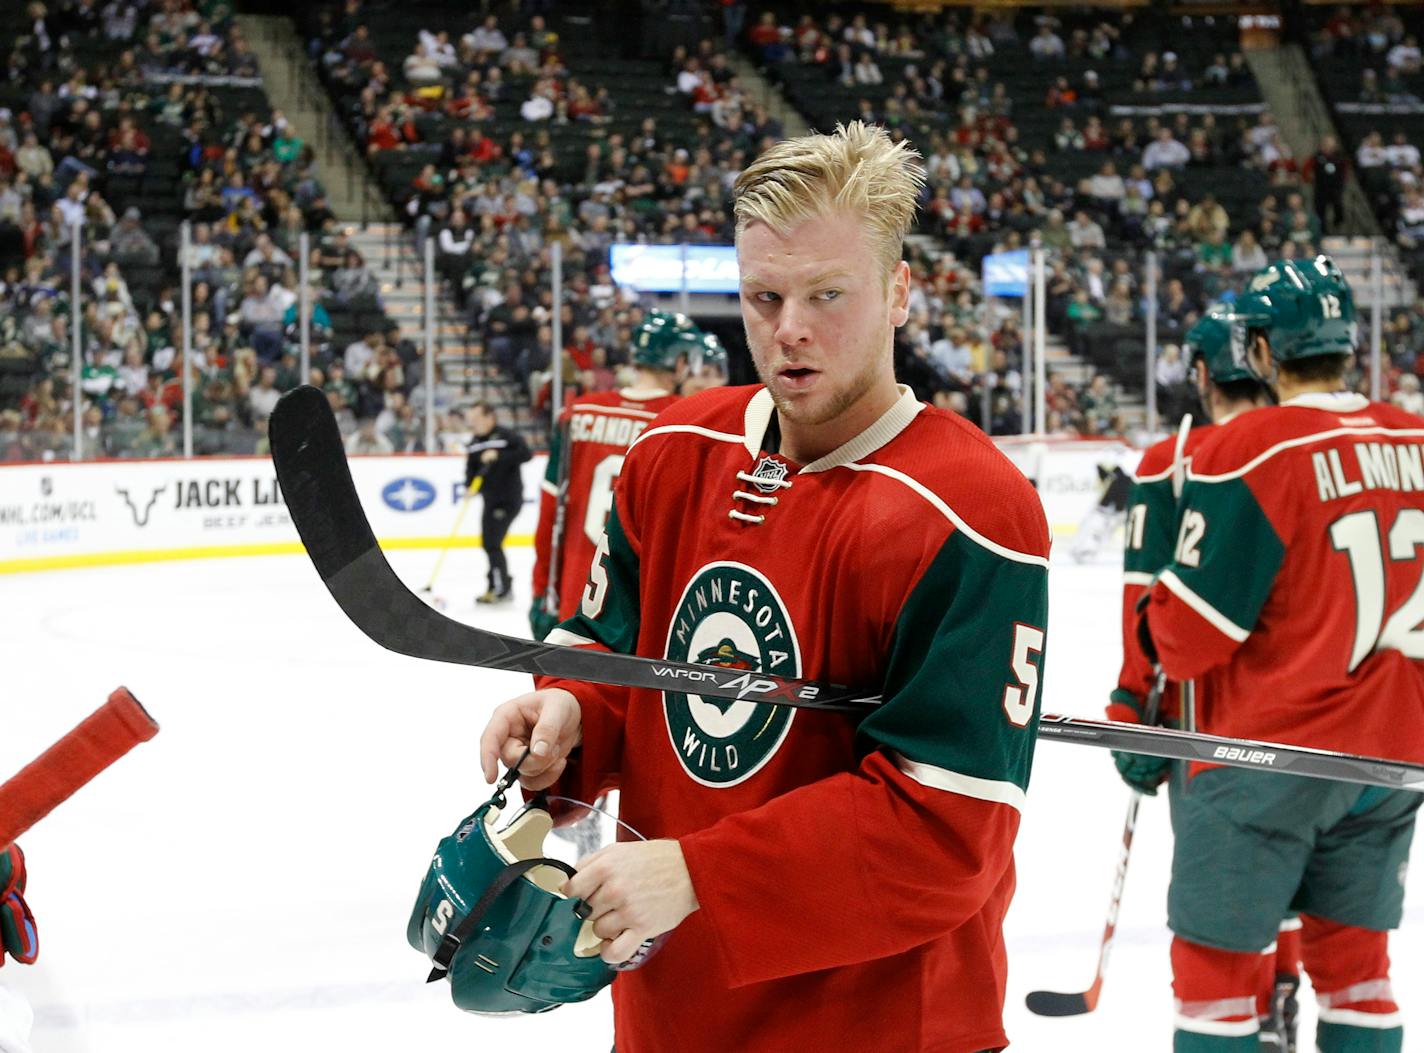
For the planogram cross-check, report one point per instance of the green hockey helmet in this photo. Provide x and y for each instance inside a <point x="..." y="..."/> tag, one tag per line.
<point x="662" y="339"/>
<point x="491" y="919"/>
<point x="707" y="352"/>
<point x="1305" y="308"/>
<point x="1218" y="341"/>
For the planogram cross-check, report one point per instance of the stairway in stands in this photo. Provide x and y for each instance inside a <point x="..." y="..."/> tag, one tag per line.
<point x="462" y="375"/>
<point x="1060" y="360"/>
<point x="1353" y="255"/>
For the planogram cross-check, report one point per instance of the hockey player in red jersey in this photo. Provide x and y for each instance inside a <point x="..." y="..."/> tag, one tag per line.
<point x="828" y="884"/>
<point x="593" y="436"/>
<point x="1294" y="592"/>
<point x="1227" y="388"/>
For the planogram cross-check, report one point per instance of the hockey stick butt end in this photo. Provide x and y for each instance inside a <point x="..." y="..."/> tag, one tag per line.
<point x="1057" y="1003"/>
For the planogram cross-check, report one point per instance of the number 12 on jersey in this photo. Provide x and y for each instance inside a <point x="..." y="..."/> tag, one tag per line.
<point x="1358" y="536"/>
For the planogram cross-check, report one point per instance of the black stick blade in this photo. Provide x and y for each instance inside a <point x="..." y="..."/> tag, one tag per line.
<point x="1056" y="1003"/>
<point x="321" y="498"/>
<point x="316" y="480"/>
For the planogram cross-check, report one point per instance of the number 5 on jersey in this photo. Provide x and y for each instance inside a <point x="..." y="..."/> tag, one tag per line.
<point x="1021" y="693"/>
<point x="595" y="593"/>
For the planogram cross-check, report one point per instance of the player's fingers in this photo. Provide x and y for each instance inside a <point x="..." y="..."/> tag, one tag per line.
<point x="588" y="878"/>
<point x="493" y="741"/>
<point x="609" y="926"/>
<point x="550" y="734"/>
<point x="544" y="779"/>
<point x="623" y="947"/>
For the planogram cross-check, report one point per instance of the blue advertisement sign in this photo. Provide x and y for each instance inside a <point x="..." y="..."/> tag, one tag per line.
<point x="658" y="268"/>
<point x="1006" y="273"/>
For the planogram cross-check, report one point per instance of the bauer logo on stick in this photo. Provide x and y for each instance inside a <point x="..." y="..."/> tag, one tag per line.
<point x="1245" y="756"/>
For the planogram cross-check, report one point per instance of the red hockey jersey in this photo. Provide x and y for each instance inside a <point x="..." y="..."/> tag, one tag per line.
<point x="1297" y="577"/>
<point x="853" y="875"/>
<point x="595" y="432"/>
<point x="1147" y="548"/>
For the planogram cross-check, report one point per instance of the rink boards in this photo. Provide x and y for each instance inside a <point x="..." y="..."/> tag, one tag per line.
<point x="55" y="516"/>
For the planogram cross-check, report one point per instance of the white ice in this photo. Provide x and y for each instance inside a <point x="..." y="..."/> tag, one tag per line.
<point x="243" y="881"/>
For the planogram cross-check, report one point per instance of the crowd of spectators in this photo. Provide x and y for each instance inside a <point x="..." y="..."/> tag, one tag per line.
<point x="81" y="146"/>
<point x="492" y="201"/>
<point x="495" y="196"/>
<point x="941" y="82"/>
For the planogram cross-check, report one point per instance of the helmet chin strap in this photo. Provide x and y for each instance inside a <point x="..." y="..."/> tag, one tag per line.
<point x="508" y="779"/>
<point x="445" y="953"/>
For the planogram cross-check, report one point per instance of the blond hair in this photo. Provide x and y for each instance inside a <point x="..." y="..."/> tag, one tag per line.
<point x="856" y="168"/>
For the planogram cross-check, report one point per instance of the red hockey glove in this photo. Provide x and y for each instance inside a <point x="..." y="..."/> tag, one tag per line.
<point x="18" y="937"/>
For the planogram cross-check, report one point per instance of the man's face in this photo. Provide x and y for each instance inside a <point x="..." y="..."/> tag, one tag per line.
<point x="818" y="313"/>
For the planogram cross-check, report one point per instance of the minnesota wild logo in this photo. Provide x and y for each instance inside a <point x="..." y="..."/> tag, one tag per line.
<point x="729" y="615"/>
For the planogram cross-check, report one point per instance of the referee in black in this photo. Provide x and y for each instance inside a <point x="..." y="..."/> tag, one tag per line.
<point x="493" y="456"/>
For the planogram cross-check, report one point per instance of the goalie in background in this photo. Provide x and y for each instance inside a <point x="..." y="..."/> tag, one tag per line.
<point x="1096" y="529"/>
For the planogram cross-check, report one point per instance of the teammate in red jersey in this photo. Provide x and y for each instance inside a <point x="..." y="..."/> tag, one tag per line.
<point x="593" y="436"/>
<point x="1295" y="591"/>
<point x="833" y="884"/>
<point x="1227" y="388"/>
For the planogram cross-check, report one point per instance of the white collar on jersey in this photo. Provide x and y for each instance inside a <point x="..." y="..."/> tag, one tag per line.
<point x="1334" y="401"/>
<point x="891" y="423"/>
<point x="642" y="394"/>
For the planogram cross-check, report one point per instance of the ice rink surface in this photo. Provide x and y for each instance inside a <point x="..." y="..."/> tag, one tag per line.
<point x="243" y="881"/>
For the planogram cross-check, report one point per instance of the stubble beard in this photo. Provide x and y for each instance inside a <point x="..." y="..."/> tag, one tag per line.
<point x="838" y="401"/>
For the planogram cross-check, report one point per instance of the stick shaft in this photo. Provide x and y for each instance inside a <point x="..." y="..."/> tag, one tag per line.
<point x="101" y="738"/>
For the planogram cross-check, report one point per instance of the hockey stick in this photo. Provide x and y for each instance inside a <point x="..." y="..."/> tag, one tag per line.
<point x="1063" y="1003"/>
<point x="465" y="503"/>
<point x="92" y="745"/>
<point x="321" y="498"/>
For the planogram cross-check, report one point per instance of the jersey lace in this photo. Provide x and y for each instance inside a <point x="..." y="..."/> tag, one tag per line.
<point x="756" y="499"/>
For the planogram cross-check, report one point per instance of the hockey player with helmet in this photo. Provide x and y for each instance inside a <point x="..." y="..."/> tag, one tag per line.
<point x="828" y="884"/>
<point x="593" y="436"/>
<point x="1227" y="388"/>
<point x="1293" y="591"/>
<point x="704" y="367"/>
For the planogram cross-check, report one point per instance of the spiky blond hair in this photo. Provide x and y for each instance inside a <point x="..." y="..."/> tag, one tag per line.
<point x="856" y="168"/>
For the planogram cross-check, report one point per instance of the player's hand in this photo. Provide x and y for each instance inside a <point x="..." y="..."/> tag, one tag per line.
<point x="634" y="891"/>
<point x="18" y="935"/>
<point x="1143" y="773"/>
<point x="540" y="620"/>
<point x="489" y="457"/>
<point x="549" y="723"/>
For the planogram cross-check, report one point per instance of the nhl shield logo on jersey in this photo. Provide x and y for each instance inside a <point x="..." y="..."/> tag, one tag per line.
<point x="730" y="616"/>
<point x="768" y="474"/>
